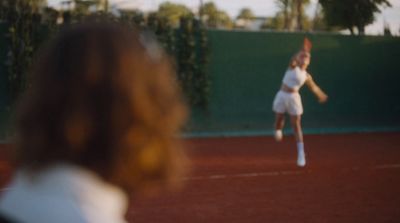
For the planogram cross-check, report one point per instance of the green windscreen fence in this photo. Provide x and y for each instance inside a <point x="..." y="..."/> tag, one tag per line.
<point x="4" y="93"/>
<point x="361" y="75"/>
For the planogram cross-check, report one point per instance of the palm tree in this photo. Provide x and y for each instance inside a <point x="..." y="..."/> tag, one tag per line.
<point x="293" y="13"/>
<point x="299" y="4"/>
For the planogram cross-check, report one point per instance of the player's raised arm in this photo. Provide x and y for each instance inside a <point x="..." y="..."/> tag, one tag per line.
<point x="322" y="97"/>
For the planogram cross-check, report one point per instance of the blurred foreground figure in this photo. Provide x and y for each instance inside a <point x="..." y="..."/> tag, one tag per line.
<point x="98" y="124"/>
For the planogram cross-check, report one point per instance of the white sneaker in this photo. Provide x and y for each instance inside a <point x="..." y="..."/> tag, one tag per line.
<point x="278" y="135"/>
<point x="301" y="159"/>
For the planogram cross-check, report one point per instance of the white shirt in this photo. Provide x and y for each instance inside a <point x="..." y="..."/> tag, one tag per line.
<point x="295" y="78"/>
<point x="63" y="194"/>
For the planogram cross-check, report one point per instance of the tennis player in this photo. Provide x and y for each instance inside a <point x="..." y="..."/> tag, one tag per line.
<point x="288" y="99"/>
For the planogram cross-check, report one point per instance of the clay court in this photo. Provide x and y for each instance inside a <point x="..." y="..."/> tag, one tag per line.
<point x="348" y="178"/>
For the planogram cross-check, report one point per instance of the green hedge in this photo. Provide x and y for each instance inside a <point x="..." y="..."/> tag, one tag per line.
<point x="21" y="38"/>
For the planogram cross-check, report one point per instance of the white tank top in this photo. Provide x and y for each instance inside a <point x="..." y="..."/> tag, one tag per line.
<point x="295" y="78"/>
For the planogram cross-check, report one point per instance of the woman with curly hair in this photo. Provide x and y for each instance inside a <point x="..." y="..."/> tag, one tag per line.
<point x="98" y="123"/>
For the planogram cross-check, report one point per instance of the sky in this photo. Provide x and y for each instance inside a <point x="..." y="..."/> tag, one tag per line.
<point x="262" y="8"/>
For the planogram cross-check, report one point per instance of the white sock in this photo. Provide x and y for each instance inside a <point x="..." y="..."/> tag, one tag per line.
<point x="301" y="156"/>
<point x="300" y="147"/>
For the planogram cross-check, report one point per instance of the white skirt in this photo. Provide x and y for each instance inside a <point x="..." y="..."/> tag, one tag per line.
<point x="285" y="102"/>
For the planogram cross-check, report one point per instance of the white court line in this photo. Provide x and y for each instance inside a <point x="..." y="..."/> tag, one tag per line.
<point x="246" y="175"/>
<point x="286" y="172"/>
<point x="274" y="173"/>
<point x="388" y="166"/>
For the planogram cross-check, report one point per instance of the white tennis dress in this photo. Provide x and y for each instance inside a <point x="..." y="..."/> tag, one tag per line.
<point x="290" y="102"/>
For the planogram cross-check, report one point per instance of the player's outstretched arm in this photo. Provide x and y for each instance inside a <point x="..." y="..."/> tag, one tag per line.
<point x="322" y="97"/>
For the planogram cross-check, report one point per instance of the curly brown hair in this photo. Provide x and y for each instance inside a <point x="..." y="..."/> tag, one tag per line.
<point x="105" y="98"/>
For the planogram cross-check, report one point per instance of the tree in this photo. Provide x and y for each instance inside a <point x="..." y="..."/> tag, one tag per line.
<point x="173" y="12"/>
<point x="23" y="22"/>
<point x="319" y="24"/>
<point x="215" y="18"/>
<point x="292" y="12"/>
<point x="244" y="18"/>
<point x="82" y="7"/>
<point x="274" y="23"/>
<point x="300" y="12"/>
<point x="284" y="10"/>
<point x="192" y="59"/>
<point x="7" y="6"/>
<point x="386" y="30"/>
<point x="36" y="5"/>
<point x="104" y="4"/>
<point x="349" y="14"/>
<point x="132" y="17"/>
<point x="50" y="16"/>
<point x="246" y="14"/>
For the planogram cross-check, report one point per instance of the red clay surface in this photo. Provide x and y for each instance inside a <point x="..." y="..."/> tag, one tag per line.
<point x="348" y="178"/>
